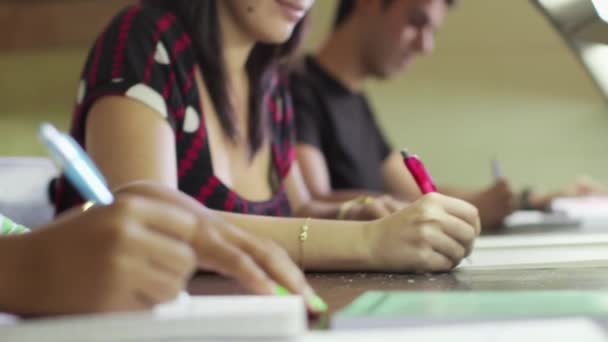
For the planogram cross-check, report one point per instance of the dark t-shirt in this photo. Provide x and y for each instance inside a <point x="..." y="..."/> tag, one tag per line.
<point x="341" y="125"/>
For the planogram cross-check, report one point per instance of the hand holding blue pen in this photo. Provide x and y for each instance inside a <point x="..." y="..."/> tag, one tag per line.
<point x="79" y="169"/>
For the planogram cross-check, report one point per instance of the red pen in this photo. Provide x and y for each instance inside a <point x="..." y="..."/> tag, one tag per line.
<point x="418" y="171"/>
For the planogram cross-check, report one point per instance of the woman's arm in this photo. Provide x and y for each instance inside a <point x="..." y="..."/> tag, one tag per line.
<point x="130" y="142"/>
<point x="433" y="234"/>
<point x="13" y="293"/>
<point x="330" y="246"/>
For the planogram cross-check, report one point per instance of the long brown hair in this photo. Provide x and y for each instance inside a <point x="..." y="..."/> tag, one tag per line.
<point x="200" y="18"/>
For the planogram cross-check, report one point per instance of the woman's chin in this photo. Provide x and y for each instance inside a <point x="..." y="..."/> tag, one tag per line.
<point x="276" y="36"/>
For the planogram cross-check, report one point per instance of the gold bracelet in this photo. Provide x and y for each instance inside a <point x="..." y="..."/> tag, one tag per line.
<point x="303" y="236"/>
<point x="348" y="205"/>
<point x="87" y="206"/>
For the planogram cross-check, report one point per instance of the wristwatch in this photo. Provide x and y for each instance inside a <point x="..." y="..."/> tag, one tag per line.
<point x="524" y="199"/>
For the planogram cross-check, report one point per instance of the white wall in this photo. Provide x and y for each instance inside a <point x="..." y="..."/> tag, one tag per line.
<point x="501" y="83"/>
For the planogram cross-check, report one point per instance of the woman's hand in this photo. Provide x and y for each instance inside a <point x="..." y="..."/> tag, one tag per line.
<point x="130" y="255"/>
<point x="432" y="235"/>
<point x="258" y="263"/>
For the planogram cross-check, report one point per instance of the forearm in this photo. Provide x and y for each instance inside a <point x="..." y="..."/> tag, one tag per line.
<point x="342" y="196"/>
<point x="398" y="182"/>
<point x="456" y="192"/>
<point x="535" y="199"/>
<point x="14" y="282"/>
<point x="320" y="209"/>
<point x="330" y="246"/>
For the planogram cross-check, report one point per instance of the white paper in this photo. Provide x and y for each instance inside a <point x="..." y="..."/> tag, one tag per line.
<point x="7" y="319"/>
<point x="538" y="251"/>
<point x="591" y="210"/>
<point x="567" y="330"/>
<point x="200" y="317"/>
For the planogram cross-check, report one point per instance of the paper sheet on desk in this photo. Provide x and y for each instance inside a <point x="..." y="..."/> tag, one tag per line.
<point x="8" y="319"/>
<point x="566" y="330"/>
<point x="538" y="251"/>
<point x="199" y="318"/>
<point x="591" y="210"/>
<point x="526" y="221"/>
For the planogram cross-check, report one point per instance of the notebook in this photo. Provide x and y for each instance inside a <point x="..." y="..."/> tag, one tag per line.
<point x="537" y="251"/>
<point x="266" y="318"/>
<point x="568" y="330"/>
<point x="378" y="309"/>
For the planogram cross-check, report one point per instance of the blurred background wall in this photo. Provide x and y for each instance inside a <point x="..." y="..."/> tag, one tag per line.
<point x="500" y="84"/>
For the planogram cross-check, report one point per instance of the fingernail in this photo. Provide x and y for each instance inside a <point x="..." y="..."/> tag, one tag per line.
<point x="318" y="304"/>
<point x="281" y="291"/>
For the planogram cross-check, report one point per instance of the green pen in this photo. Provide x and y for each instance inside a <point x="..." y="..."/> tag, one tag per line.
<point x="9" y="227"/>
<point x="316" y="302"/>
<point x="281" y="291"/>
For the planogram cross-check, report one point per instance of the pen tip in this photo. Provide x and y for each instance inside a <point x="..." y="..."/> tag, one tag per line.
<point x="405" y="153"/>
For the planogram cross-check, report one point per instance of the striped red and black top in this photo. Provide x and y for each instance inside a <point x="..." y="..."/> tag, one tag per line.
<point x="146" y="55"/>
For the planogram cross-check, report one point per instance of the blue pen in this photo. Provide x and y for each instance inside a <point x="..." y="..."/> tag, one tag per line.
<point x="76" y="164"/>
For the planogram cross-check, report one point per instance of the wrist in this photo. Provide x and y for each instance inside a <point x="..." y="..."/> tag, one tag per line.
<point x="534" y="200"/>
<point x="337" y="246"/>
<point x="366" y="243"/>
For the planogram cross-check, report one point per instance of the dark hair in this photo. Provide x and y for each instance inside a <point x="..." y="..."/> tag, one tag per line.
<point x="346" y="7"/>
<point x="200" y="19"/>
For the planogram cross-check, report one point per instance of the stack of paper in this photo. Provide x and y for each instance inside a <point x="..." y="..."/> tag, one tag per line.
<point x="538" y="251"/>
<point x="200" y="318"/>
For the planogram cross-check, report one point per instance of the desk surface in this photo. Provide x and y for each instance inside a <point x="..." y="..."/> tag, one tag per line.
<point x="340" y="289"/>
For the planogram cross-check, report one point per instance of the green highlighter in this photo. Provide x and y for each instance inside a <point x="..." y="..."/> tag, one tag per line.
<point x="8" y="227"/>
<point x="397" y="309"/>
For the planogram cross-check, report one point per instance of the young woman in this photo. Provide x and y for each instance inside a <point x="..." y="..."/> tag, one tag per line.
<point x="135" y="253"/>
<point x="189" y="94"/>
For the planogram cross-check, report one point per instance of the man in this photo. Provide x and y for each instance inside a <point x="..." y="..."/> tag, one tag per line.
<point x="341" y="149"/>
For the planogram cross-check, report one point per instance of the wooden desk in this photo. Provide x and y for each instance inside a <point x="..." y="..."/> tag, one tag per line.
<point x="340" y="289"/>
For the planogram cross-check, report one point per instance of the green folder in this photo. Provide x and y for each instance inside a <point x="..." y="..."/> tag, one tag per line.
<point x="386" y="309"/>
